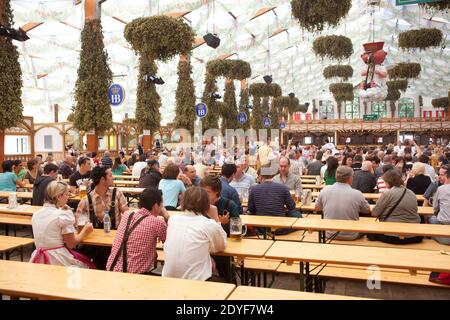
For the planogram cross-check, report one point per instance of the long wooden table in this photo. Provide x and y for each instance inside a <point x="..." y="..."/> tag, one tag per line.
<point x="23" y="195"/>
<point x="8" y="244"/>
<point x="55" y="282"/>
<point x="364" y="226"/>
<point x="22" y="209"/>
<point x="373" y="196"/>
<point x="423" y="211"/>
<point x="126" y="177"/>
<point x="407" y="259"/>
<point x="256" y="293"/>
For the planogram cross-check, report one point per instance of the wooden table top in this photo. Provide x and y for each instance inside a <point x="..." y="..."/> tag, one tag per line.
<point x="408" y="259"/>
<point x="309" y="176"/>
<point x="53" y="282"/>
<point x="126" y="182"/>
<point x="423" y="211"/>
<point x="126" y="177"/>
<point x="257" y="293"/>
<point x="313" y="186"/>
<point x="25" y="195"/>
<point x="22" y="209"/>
<point x="364" y="226"/>
<point x="252" y="248"/>
<point x="9" y="243"/>
<point x="22" y="220"/>
<point x="99" y="238"/>
<point x="373" y="196"/>
<point x="268" y="221"/>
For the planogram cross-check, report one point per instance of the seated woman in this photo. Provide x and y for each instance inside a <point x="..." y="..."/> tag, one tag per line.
<point x="330" y="172"/>
<point x="417" y="181"/>
<point x="118" y="168"/>
<point x="54" y="231"/>
<point x="171" y="187"/>
<point x="192" y="236"/>
<point x="33" y="172"/>
<point x="396" y="204"/>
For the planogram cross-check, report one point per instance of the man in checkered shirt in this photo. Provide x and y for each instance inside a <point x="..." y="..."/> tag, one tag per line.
<point x="138" y="234"/>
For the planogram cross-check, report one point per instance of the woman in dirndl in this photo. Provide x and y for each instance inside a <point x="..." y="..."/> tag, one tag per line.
<point x="54" y="230"/>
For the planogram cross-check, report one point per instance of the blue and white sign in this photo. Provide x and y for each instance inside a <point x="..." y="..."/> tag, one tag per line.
<point x="116" y="94"/>
<point x="267" y="122"/>
<point x="242" y="117"/>
<point x="282" y="125"/>
<point x="201" y="110"/>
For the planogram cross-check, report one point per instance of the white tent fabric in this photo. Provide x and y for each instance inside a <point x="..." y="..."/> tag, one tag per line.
<point x="54" y="46"/>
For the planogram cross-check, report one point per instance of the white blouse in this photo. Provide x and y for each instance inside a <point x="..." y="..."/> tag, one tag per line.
<point x="190" y="240"/>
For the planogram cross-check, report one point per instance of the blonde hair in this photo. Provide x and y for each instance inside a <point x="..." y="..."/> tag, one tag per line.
<point x="53" y="190"/>
<point x="418" y="168"/>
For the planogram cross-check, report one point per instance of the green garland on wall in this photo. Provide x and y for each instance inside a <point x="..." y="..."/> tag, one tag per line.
<point x="92" y="109"/>
<point x="229" y="111"/>
<point x="185" y="98"/>
<point x="148" y="101"/>
<point x="10" y="76"/>
<point x="314" y="15"/>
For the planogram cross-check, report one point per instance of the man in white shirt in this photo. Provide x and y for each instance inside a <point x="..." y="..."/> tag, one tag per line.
<point x="139" y="166"/>
<point x="191" y="237"/>
<point x="241" y="181"/>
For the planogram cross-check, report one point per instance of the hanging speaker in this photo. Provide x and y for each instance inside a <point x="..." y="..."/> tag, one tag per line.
<point x="212" y="40"/>
<point x="268" y="79"/>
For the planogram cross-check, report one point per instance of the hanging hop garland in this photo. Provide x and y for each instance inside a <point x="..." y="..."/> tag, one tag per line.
<point x="233" y="69"/>
<point x="393" y="95"/>
<point x="286" y="102"/>
<point x="397" y="85"/>
<point x="436" y="6"/>
<point x="405" y="70"/>
<point x="265" y="90"/>
<point x="161" y="37"/>
<point x="333" y="47"/>
<point x="420" y="38"/>
<point x="342" y="92"/>
<point x="314" y="15"/>
<point x="338" y="71"/>
<point x="441" y="102"/>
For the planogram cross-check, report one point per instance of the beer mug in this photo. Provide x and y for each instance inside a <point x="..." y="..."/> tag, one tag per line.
<point x="82" y="219"/>
<point x="318" y="181"/>
<point x="236" y="227"/>
<point x="82" y="191"/>
<point x="60" y="177"/>
<point x="307" y="197"/>
<point x="12" y="200"/>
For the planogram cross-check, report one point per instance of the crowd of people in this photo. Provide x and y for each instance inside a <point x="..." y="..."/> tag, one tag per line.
<point x="206" y="203"/>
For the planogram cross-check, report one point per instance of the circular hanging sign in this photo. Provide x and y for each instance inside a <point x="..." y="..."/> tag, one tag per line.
<point x="267" y="122"/>
<point x="116" y="94"/>
<point x="201" y="110"/>
<point x="242" y="117"/>
<point x="282" y="125"/>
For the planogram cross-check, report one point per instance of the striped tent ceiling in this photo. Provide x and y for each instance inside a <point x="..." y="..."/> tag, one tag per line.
<point x="262" y="32"/>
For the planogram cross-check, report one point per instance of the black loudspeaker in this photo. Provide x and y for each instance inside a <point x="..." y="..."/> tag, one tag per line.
<point x="291" y="95"/>
<point x="212" y="40"/>
<point x="268" y="79"/>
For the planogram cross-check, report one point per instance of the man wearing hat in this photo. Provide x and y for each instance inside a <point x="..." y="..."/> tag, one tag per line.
<point x="270" y="198"/>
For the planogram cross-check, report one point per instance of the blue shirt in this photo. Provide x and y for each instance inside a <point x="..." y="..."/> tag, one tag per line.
<point x="8" y="181"/>
<point x="270" y="199"/>
<point x="171" y="188"/>
<point x="228" y="192"/>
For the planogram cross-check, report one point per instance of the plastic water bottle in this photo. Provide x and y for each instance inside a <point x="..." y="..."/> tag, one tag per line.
<point x="106" y="222"/>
